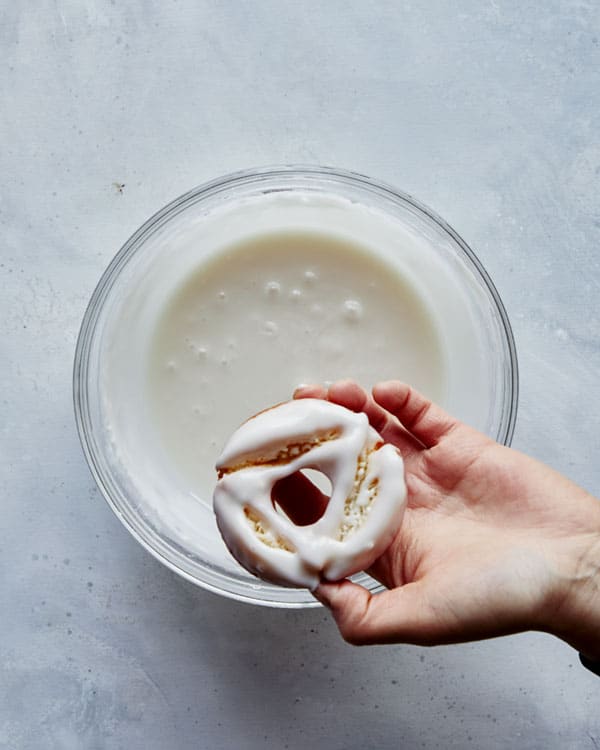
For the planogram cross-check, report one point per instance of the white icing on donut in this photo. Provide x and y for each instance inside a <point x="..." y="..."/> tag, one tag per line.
<point x="362" y="517"/>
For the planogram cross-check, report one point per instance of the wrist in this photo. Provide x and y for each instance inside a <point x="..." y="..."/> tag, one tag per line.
<point x="573" y="614"/>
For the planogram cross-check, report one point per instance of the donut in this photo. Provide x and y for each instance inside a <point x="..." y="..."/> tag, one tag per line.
<point x="362" y="516"/>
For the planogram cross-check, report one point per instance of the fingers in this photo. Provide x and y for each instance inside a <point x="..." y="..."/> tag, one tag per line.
<point x="301" y="501"/>
<point x="349" y="394"/>
<point x="399" y="615"/>
<point x="428" y="422"/>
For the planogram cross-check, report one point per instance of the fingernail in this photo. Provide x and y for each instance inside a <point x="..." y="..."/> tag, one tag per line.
<point x="303" y="388"/>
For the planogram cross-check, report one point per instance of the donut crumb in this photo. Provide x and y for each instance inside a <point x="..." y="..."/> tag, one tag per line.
<point x="283" y="456"/>
<point x="355" y="511"/>
<point x="264" y="534"/>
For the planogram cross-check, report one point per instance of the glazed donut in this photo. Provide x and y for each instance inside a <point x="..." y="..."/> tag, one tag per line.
<point x="363" y="515"/>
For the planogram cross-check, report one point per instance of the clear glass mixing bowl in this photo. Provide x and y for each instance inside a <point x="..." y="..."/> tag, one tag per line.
<point x="499" y="380"/>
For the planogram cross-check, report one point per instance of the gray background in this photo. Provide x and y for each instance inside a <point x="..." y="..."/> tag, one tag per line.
<point x="487" y="111"/>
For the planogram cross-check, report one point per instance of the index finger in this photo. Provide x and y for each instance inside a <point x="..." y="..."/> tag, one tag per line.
<point x="425" y="420"/>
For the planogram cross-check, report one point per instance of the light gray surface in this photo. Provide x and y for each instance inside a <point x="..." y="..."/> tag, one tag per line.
<point x="490" y="113"/>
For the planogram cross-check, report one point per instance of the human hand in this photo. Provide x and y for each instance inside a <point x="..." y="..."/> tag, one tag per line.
<point x="492" y="541"/>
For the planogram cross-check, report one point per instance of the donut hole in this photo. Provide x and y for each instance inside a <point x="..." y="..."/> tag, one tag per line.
<point x="303" y="496"/>
<point x="320" y="480"/>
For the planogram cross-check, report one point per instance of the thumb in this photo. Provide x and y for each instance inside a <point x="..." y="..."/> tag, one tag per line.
<point x="400" y="615"/>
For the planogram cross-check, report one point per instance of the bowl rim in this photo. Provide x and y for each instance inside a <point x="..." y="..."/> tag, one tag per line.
<point x="167" y="212"/>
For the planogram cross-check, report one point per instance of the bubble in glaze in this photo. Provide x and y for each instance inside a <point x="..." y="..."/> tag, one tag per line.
<point x="270" y="328"/>
<point x="272" y="289"/>
<point x="295" y="295"/>
<point x="353" y="310"/>
<point x="310" y="277"/>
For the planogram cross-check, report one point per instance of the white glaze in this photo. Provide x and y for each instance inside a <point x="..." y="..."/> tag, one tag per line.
<point x="362" y="517"/>
<point x="273" y="312"/>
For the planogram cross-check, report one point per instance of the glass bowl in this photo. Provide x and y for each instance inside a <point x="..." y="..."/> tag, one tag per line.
<point x="449" y="271"/>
